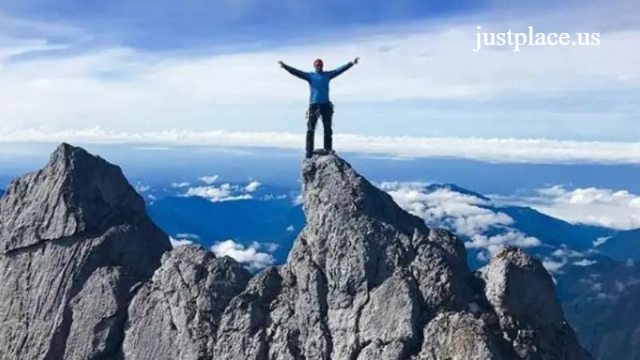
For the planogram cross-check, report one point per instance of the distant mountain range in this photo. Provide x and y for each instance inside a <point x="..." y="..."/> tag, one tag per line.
<point x="623" y="245"/>
<point x="557" y="237"/>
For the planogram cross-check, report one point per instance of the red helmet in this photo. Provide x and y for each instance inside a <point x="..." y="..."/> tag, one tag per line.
<point x="318" y="63"/>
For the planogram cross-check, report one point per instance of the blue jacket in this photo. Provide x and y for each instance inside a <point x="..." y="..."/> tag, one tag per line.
<point x="318" y="81"/>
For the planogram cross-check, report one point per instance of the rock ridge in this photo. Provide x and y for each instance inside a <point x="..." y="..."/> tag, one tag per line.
<point x="84" y="274"/>
<point x="75" y="240"/>
<point x="367" y="280"/>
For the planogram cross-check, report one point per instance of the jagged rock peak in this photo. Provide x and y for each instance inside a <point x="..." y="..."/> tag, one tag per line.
<point x="75" y="244"/>
<point x="74" y="193"/>
<point x="343" y="208"/>
<point x="332" y="188"/>
<point x="362" y="280"/>
<point x="365" y="280"/>
<point x="522" y="294"/>
<point x="91" y="175"/>
<point x="518" y="285"/>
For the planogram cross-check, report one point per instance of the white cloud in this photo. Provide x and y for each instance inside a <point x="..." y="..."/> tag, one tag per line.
<point x="461" y="213"/>
<point x="596" y="287"/>
<point x="275" y="197"/>
<point x="621" y="285"/>
<point x="155" y="148"/>
<point x="252" y="186"/>
<point x="224" y="192"/>
<point x="631" y="281"/>
<point x="250" y="255"/>
<point x="553" y="266"/>
<point x="630" y="263"/>
<point x="179" y="242"/>
<point x="562" y="256"/>
<point x="604" y="296"/>
<point x="483" y="256"/>
<point x="188" y="236"/>
<point x="268" y="247"/>
<point x="618" y="209"/>
<point x="494" y="243"/>
<point x="141" y="187"/>
<point x="444" y="207"/>
<point x="185" y="91"/>
<point x="495" y="150"/>
<point x="209" y="179"/>
<point x="290" y="228"/>
<point x="566" y="253"/>
<point x="585" y="262"/>
<point x="180" y="185"/>
<point x="601" y="240"/>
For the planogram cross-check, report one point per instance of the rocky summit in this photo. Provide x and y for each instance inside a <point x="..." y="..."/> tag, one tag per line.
<point x="86" y="275"/>
<point x="74" y="240"/>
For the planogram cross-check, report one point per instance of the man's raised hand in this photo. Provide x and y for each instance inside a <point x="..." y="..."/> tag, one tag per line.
<point x="356" y="60"/>
<point x="281" y="63"/>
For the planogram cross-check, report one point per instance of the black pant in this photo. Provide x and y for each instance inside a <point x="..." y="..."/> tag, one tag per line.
<point x="324" y="110"/>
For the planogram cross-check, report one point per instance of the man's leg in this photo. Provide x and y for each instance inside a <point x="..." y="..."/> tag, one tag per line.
<point x="312" y="120"/>
<point x="327" y="122"/>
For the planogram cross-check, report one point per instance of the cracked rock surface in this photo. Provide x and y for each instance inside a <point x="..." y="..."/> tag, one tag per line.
<point x="74" y="240"/>
<point x="86" y="275"/>
<point x="367" y="280"/>
<point x="175" y="315"/>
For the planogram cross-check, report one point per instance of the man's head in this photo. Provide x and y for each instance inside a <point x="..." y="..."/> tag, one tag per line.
<point x="318" y="65"/>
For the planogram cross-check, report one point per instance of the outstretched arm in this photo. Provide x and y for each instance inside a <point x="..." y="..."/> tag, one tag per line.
<point x="295" y="72"/>
<point x="337" y="72"/>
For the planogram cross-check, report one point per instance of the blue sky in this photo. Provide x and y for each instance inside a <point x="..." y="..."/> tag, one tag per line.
<point x="173" y="24"/>
<point x="91" y="70"/>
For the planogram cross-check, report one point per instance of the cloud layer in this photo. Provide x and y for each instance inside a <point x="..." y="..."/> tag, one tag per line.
<point x="485" y="149"/>
<point x="128" y="90"/>
<point x="482" y="226"/>
<point x="255" y="256"/>
<point x="222" y="192"/>
<point x="465" y="215"/>
<point x="175" y="242"/>
<point x="618" y="209"/>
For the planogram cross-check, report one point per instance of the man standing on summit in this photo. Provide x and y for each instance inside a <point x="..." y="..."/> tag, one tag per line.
<point x="319" y="103"/>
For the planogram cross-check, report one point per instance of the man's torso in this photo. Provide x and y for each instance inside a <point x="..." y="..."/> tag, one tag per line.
<point x="319" y="86"/>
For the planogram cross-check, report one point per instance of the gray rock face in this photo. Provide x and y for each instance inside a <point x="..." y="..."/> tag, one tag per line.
<point x="366" y="280"/>
<point x="175" y="314"/>
<point x="76" y="193"/>
<point x="74" y="240"/>
<point x="522" y="294"/>
<point x="86" y="275"/>
<point x="458" y="336"/>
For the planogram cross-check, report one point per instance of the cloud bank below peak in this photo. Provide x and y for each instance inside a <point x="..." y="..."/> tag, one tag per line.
<point x="222" y="192"/>
<point x="466" y="215"/>
<point x="500" y="150"/>
<point x="617" y="209"/>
